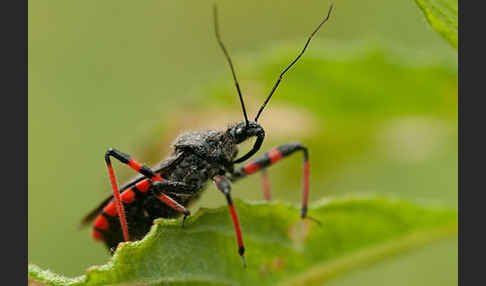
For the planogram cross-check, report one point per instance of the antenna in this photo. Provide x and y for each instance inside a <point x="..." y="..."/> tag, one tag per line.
<point x="216" y="31"/>
<point x="292" y="63"/>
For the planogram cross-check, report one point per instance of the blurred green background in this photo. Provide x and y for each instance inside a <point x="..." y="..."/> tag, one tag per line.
<point x="375" y="99"/>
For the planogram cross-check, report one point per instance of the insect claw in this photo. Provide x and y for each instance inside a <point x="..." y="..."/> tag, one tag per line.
<point x="314" y="220"/>
<point x="243" y="259"/>
<point x="184" y="219"/>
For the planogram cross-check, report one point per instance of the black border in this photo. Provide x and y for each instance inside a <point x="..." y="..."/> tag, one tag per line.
<point x="13" y="23"/>
<point x="472" y="145"/>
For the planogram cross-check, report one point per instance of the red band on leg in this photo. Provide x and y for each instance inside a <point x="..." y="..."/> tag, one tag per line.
<point x="305" y="193"/>
<point x="144" y="185"/>
<point x="157" y="178"/>
<point x="119" y="205"/>
<point x="237" y="226"/>
<point x="275" y="155"/>
<point x="171" y="203"/>
<point x="251" y="168"/>
<point x="135" y="165"/>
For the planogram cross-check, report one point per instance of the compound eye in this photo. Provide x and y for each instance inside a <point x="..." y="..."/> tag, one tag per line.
<point x="240" y="133"/>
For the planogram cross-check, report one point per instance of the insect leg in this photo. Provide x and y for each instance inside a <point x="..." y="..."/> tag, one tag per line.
<point x="224" y="185"/>
<point x="163" y="186"/>
<point x="141" y="168"/>
<point x="272" y="157"/>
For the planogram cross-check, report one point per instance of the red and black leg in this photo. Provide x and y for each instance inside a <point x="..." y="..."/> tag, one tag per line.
<point x="162" y="187"/>
<point x="272" y="157"/>
<point x="143" y="186"/>
<point x="224" y="185"/>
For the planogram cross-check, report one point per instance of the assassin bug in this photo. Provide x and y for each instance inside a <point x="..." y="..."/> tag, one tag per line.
<point x="167" y="189"/>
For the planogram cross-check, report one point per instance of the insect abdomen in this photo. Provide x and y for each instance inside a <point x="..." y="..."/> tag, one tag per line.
<point x="141" y="207"/>
<point x="106" y="227"/>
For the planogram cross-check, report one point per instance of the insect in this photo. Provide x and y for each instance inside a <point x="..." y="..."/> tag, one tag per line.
<point x="168" y="188"/>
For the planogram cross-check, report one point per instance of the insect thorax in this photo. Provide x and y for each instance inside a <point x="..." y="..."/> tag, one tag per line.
<point x="206" y="153"/>
<point x="193" y="170"/>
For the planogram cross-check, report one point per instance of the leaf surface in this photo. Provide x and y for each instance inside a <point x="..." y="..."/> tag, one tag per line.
<point x="281" y="248"/>
<point x="442" y="16"/>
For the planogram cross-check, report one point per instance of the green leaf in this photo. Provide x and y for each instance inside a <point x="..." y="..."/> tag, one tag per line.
<point x="281" y="248"/>
<point x="442" y="16"/>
